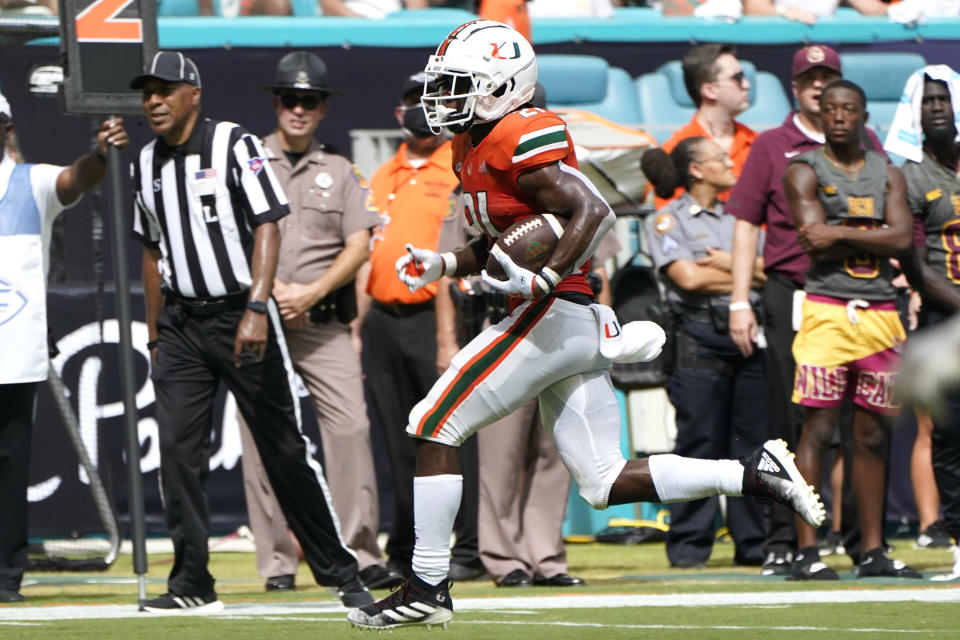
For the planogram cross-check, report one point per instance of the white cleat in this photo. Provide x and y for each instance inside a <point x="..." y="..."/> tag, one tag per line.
<point x="770" y="474"/>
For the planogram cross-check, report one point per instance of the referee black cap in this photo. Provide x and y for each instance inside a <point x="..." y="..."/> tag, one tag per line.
<point x="169" y="66"/>
<point x="302" y="71"/>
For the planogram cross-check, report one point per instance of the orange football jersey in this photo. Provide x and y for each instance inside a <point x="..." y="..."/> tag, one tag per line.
<point x="523" y="140"/>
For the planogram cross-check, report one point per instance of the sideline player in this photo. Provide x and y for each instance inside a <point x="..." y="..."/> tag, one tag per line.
<point x="850" y="210"/>
<point x="514" y="161"/>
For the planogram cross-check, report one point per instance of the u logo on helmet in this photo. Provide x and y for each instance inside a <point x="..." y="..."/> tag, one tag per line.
<point x="496" y="46"/>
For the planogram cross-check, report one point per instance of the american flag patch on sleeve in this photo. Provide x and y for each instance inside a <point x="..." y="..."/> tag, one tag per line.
<point x="205" y="173"/>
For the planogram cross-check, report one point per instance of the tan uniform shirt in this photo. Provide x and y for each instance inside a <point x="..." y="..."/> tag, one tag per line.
<point x="329" y="200"/>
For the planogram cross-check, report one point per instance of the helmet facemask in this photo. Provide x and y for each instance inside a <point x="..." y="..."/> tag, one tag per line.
<point x="451" y="87"/>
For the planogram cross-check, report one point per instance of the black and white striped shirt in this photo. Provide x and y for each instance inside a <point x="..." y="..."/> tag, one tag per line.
<point x="199" y="203"/>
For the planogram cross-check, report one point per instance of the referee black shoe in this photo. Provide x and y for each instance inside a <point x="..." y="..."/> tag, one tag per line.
<point x="354" y="593"/>
<point x="415" y="602"/>
<point x="377" y="576"/>
<point x="173" y="603"/>
<point x="770" y="474"/>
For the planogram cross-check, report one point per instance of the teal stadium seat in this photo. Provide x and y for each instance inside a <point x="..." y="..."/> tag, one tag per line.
<point x="882" y="76"/>
<point x="665" y="105"/>
<point x="588" y="83"/>
<point x="177" y="8"/>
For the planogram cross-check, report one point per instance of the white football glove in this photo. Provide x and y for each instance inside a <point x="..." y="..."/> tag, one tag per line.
<point x="420" y="267"/>
<point x="520" y="282"/>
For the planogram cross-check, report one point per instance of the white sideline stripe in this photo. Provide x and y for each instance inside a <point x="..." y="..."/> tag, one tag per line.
<point x="838" y="596"/>
<point x="638" y="627"/>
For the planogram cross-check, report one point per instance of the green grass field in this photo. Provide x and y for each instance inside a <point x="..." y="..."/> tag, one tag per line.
<point x="631" y="592"/>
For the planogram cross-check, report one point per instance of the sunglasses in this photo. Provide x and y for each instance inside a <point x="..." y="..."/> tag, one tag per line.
<point x="738" y="78"/>
<point x="308" y="102"/>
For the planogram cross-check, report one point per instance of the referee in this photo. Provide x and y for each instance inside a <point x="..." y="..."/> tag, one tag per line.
<point x="206" y="209"/>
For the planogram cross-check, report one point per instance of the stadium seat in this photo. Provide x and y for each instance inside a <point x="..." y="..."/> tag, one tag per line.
<point x="177" y="8"/>
<point x="665" y="105"/>
<point x="882" y="76"/>
<point x="588" y="83"/>
<point x="305" y="8"/>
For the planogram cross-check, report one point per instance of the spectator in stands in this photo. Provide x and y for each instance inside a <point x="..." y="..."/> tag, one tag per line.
<point x="407" y="337"/>
<point x="807" y="11"/>
<point x="342" y="8"/>
<point x="31" y="197"/>
<point x="718" y="87"/>
<point x="33" y="7"/>
<point x="368" y="8"/>
<point x="718" y="392"/>
<point x="758" y="199"/>
<point x="512" y="13"/>
<point x="850" y="209"/>
<point x="572" y="8"/>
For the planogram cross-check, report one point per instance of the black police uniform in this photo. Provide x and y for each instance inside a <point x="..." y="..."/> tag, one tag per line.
<point x="720" y="396"/>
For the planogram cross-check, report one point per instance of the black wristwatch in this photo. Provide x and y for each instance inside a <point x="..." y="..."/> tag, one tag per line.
<point x="256" y="306"/>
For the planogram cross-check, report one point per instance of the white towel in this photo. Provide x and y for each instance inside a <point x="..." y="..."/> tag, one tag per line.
<point x="905" y="137"/>
<point x="914" y="12"/>
<point x="726" y="10"/>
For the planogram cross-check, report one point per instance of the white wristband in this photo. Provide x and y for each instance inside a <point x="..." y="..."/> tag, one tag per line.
<point x="449" y="263"/>
<point x="740" y="306"/>
<point x="551" y="276"/>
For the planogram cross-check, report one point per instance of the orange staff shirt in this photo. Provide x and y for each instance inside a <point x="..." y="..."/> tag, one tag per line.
<point x="743" y="137"/>
<point x="419" y="205"/>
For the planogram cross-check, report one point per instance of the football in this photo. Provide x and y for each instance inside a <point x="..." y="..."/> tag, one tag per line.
<point x="529" y="243"/>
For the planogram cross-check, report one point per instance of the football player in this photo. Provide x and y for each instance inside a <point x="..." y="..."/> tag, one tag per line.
<point x="515" y="161"/>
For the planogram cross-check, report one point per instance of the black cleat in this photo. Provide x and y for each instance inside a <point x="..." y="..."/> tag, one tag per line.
<point x="412" y="603"/>
<point x="876" y="564"/>
<point x="808" y="566"/>
<point x="777" y="564"/>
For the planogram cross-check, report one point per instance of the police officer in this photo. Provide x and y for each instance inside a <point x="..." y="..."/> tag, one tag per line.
<point x="719" y="394"/>
<point x="207" y="205"/>
<point x="323" y="243"/>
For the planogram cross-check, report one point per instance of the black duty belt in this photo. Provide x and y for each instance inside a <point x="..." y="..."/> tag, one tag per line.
<point x="404" y="310"/>
<point x="207" y="306"/>
<point x="784" y="279"/>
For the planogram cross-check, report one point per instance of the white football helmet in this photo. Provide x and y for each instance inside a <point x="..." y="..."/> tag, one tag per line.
<point x="486" y="64"/>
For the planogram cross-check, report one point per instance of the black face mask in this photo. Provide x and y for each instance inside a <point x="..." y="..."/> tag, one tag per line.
<point x="415" y="122"/>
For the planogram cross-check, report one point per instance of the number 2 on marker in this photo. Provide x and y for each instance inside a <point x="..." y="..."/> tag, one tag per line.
<point x="98" y="23"/>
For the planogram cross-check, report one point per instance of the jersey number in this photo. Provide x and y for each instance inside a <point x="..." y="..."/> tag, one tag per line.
<point x="477" y="213"/>
<point x="865" y="264"/>
<point x="950" y="237"/>
<point x="98" y="23"/>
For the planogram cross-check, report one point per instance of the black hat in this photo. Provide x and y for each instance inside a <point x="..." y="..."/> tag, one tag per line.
<point x="169" y="66"/>
<point x="416" y="82"/>
<point x="303" y="71"/>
